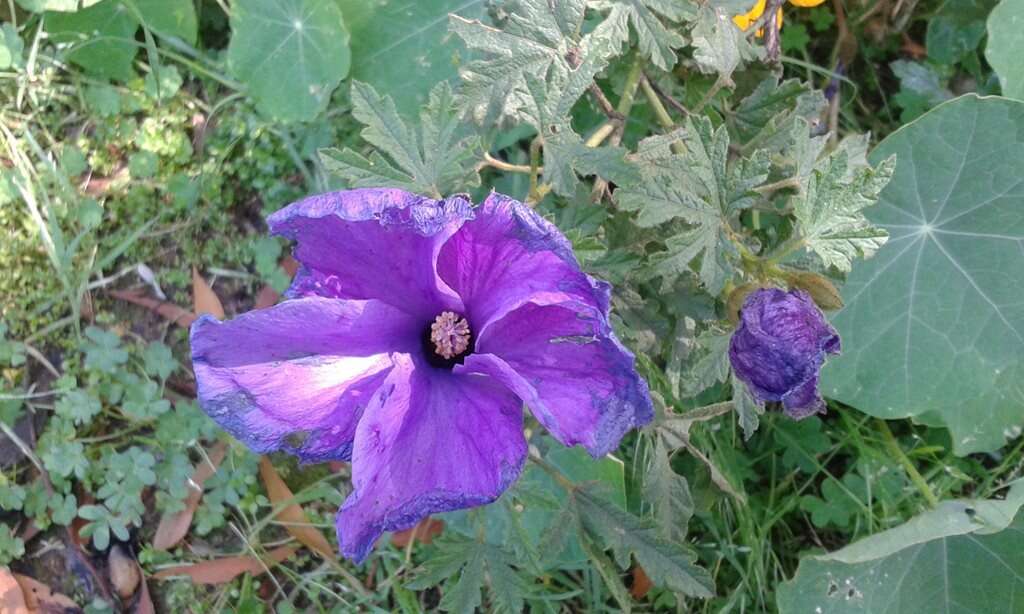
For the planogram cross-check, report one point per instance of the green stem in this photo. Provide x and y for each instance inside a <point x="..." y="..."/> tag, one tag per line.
<point x="770" y="188"/>
<point x="718" y="85"/>
<point x="636" y="71"/>
<point x="785" y="250"/>
<point x="660" y="112"/>
<point x="897" y="452"/>
<point x="535" y="169"/>
<point x="555" y="474"/>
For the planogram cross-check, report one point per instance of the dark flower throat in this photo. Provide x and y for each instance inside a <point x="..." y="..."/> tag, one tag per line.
<point x="447" y="340"/>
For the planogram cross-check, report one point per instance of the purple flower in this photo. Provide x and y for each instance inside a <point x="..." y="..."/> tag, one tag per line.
<point x="779" y="347"/>
<point x="414" y="332"/>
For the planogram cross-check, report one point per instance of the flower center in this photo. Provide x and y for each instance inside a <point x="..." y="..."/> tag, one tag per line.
<point x="450" y="335"/>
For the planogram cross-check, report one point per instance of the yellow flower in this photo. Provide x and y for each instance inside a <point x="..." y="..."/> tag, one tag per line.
<point x="749" y="19"/>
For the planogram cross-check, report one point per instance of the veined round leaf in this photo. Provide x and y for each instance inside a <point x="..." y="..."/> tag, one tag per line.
<point x="67" y="6"/>
<point x="1006" y="46"/>
<point x="934" y="324"/>
<point x="290" y="53"/>
<point x="171" y="18"/>
<point x="963" y="557"/>
<point x="103" y="36"/>
<point x="402" y="47"/>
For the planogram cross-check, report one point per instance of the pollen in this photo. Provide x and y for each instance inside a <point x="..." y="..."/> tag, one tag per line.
<point x="450" y="335"/>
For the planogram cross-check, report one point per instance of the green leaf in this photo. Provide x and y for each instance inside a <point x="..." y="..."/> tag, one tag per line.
<point x="668" y="564"/>
<point x="719" y="46"/>
<point x="933" y="324"/>
<point x="708" y="362"/>
<point x="159" y="361"/>
<point x="829" y="210"/>
<point x="79" y="406"/>
<point x="65" y="458"/>
<point x="38" y="6"/>
<point x="507" y="587"/>
<point x="103" y="350"/>
<point x="668" y="493"/>
<point x="1006" y="46"/>
<point x="416" y="53"/>
<point x="748" y="409"/>
<point x="290" y="53"/>
<point x="102" y="37"/>
<point x="768" y="116"/>
<point x="12" y="48"/>
<point x="104" y="100"/>
<point x="437" y="159"/>
<point x="142" y="400"/>
<point x="703" y="189"/>
<point x="608" y="473"/>
<point x="170" y="18"/>
<point x="801" y="442"/>
<point x="956" y="29"/>
<point x="609" y="573"/>
<point x="536" y="35"/>
<point x="836" y="506"/>
<point x="11" y="547"/>
<point x="961" y="557"/>
<point x="12" y="495"/>
<point x="547" y="108"/>
<point x="921" y="88"/>
<point x="657" y="42"/>
<point x="464" y="564"/>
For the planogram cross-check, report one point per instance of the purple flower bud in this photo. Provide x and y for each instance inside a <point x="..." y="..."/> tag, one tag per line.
<point x="779" y="347"/>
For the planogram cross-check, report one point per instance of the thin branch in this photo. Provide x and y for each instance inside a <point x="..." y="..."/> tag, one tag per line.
<point x="604" y="103"/>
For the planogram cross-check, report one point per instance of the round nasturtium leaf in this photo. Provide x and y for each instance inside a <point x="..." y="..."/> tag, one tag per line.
<point x="933" y="325"/>
<point x="290" y="53"/>
<point x="101" y="38"/>
<point x="1006" y="46"/>
<point x="418" y="51"/>
<point x="962" y="557"/>
<point x="68" y="6"/>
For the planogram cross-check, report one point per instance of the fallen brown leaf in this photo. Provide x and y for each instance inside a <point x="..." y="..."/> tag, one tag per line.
<point x="174" y="527"/>
<point x="424" y="532"/>
<point x="41" y="598"/>
<point x="12" y="599"/>
<point x="144" y="604"/>
<point x="268" y="297"/>
<point x="124" y="572"/>
<point x="170" y="311"/>
<point x="641" y="583"/>
<point x="219" y="571"/>
<point x="292" y="516"/>
<point x="204" y="300"/>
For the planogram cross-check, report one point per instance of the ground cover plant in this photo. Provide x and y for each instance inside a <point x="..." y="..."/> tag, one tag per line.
<point x="747" y="332"/>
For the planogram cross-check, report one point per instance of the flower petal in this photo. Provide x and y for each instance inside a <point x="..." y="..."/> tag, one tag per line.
<point x="430" y="441"/>
<point x="567" y="365"/>
<point x="297" y="376"/>
<point x="373" y="244"/>
<point x="804" y="400"/>
<point x="509" y="255"/>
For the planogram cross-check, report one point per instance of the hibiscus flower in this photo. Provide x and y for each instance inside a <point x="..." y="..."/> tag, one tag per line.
<point x="411" y="337"/>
